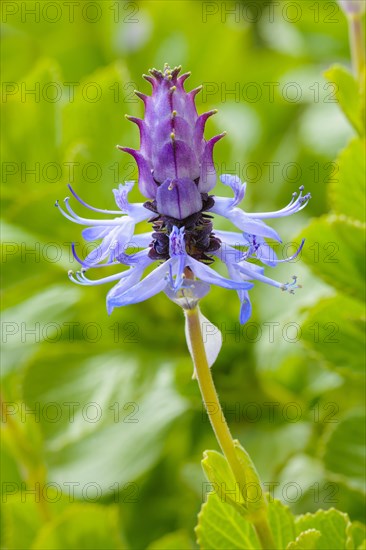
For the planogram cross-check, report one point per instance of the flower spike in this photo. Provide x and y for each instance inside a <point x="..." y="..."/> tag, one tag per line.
<point x="176" y="174"/>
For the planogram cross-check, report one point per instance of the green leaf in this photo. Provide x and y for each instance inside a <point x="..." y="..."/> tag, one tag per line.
<point x="334" y="250"/>
<point x="104" y="411"/>
<point x="334" y="330"/>
<point x="305" y="541"/>
<point x="254" y="499"/>
<point x="330" y="523"/>
<point x="280" y="518"/>
<point x="84" y="527"/>
<point x="347" y="189"/>
<point x="348" y="95"/>
<point x="173" y="541"/>
<point x="356" y="536"/>
<point x="282" y="523"/>
<point x="246" y="499"/>
<point x="221" y="527"/>
<point x="219" y="473"/>
<point x="345" y="451"/>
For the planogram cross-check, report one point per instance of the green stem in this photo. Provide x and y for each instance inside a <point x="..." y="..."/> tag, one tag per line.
<point x="357" y="44"/>
<point x="217" y="419"/>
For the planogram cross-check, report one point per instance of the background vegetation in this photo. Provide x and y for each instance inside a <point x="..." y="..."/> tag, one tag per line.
<point x="113" y="446"/>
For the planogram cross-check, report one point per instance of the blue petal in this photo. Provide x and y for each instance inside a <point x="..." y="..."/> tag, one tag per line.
<point x="297" y="203"/>
<point x="107" y="248"/>
<point x="259" y="248"/>
<point x="95" y="233"/>
<point x="235" y="275"/>
<point x="140" y="259"/>
<point x="266" y="255"/>
<point x="71" y="215"/>
<point x="179" y="265"/>
<point x="136" y="211"/>
<point x="224" y="207"/>
<point x="124" y="294"/>
<point x="207" y="274"/>
<point x="236" y="185"/>
<point x="141" y="240"/>
<point x="121" y="196"/>
<point x="245" y="310"/>
<point x="250" y="225"/>
<point x="113" y="244"/>
<point x="252" y="273"/>
<point x="178" y="255"/>
<point x="246" y="307"/>
<point x="81" y="279"/>
<point x="232" y="238"/>
<point x="177" y="243"/>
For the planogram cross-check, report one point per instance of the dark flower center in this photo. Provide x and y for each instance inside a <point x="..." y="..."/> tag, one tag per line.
<point x="199" y="237"/>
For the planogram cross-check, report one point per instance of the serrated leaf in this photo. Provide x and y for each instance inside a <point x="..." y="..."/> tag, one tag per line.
<point x="281" y="522"/>
<point x="221" y="527"/>
<point x="356" y="536"/>
<point x="347" y="189"/>
<point x="254" y="493"/>
<point x="219" y="473"/>
<point x="115" y="428"/>
<point x="280" y="518"/>
<point x="305" y="541"/>
<point x="334" y="250"/>
<point x="335" y="331"/>
<point x="348" y="95"/>
<point x="82" y="526"/>
<point x="246" y="493"/>
<point x="332" y="525"/>
<point x="345" y="451"/>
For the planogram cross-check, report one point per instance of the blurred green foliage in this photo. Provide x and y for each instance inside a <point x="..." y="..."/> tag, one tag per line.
<point x="115" y="442"/>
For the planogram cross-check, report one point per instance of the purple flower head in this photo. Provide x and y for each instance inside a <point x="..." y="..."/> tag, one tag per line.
<point x="174" y="160"/>
<point x="176" y="174"/>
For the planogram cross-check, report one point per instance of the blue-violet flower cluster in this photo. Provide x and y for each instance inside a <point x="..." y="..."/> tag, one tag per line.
<point x="176" y="175"/>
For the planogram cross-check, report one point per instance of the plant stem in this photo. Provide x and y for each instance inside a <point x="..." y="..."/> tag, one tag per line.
<point x="357" y="44"/>
<point x="217" y="419"/>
